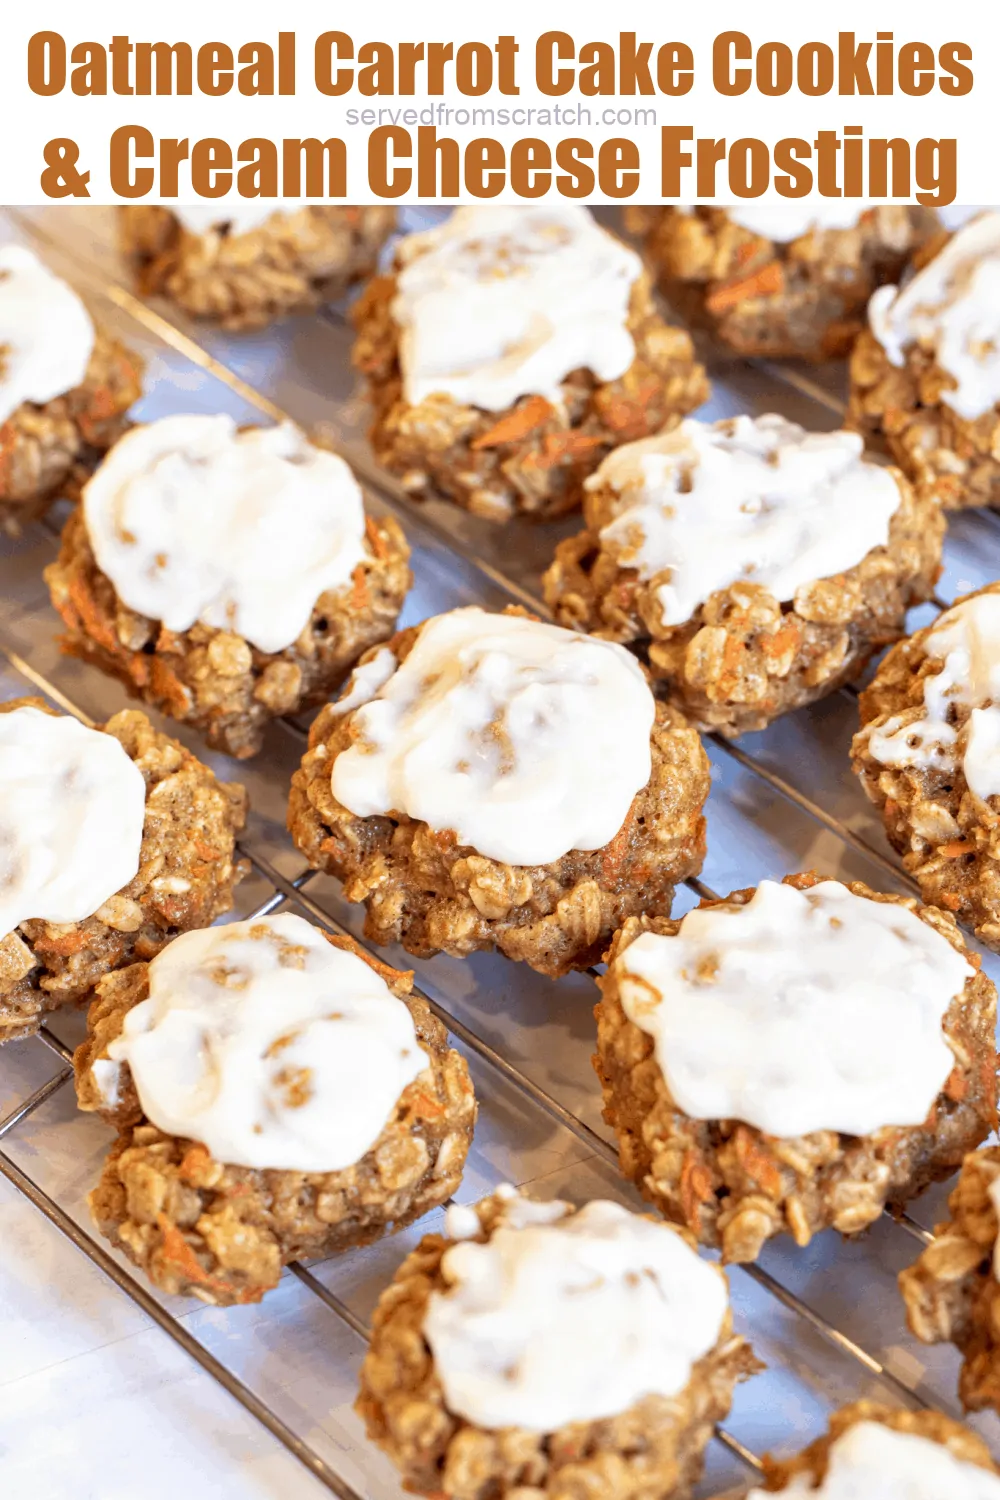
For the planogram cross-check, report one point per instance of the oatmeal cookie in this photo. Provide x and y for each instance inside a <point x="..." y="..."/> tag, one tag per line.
<point x="184" y="874"/>
<point x="651" y="1446"/>
<point x="839" y="1451"/>
<point x="550" y="903"/>
<point x="925" y="375"/>
<point x="736" y="1184"/>
<point x="922" y="758"/>
<point x="702" y="551"/>
<point x="952" y="1293"/>
<point x="236" y="658"/>
<point x="65" y="388"/>
<point x="773" y="281"/>
<point x="449" y="413"/>
<point x="250" y="270"/>
<point x="219" y="1230"/>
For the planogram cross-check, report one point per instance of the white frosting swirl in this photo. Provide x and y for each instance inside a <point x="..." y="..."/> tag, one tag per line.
<point x="194" y="520"/>
<point x="747" y="499"/>
<point x="240" y="215"/>
<point x="873" y="1462"/>
<point x="501" y="302"/>
<point x="784" y="222"/>
<point x="525" y="739"/>
<point x="46" y="335"/>
<point x="801" y="1011"/>
<point x="951" y="308"/>
<point x="268" y="1045"/>
<point x="569" y="1317"/>
<point x="72" y="808"/>
<point x="967" y="639"/>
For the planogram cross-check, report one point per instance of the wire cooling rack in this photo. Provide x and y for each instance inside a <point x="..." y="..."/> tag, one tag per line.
<point x="828" y="1319"/>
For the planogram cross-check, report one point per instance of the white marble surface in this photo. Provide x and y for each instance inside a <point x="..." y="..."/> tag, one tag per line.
<point x="99" y="1404"/>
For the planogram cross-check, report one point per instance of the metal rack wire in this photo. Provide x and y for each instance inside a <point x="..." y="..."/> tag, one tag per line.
<point x="299" y="892"/>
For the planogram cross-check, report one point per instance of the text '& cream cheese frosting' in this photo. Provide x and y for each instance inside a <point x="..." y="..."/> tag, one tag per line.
<point x="46" y="335"/>
<point x="240" y="216"/>
<point x="566" y="1316"/>
<point x="268" y="1045"/>
<point x="524" y="739"/>
<point x="951" y="308"/>
<point x="500" y="302"/>
<point x="72" y="808"/>
<point x="193" y="520"/>
<point x="967" y="640"/>
<point x="801" y="1011"/>
<point x="748" y="499"/>
<point x="873" y="1462"/>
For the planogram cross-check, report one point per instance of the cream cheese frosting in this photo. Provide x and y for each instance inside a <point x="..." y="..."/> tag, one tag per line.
<point x="566" y="1316"/>
<point x="269" y="1045"/>
<point x="46" y="334"/>
<point x="524" y="739"/>
<point x="951" y="308"/>
<point x="784" y="222"/>
<point x="967" y="640"/>
<point x="194" y="520"/>
<point x="748" y="499"/>
<point x="72" y="808"/>
<point x="800" y="1011"/>
<point x="498" y="303"/>
<point x="240" y="214"/>
<point x="873" y="1462"/>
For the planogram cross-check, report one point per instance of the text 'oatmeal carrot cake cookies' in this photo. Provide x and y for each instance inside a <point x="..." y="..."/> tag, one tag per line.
<point x="226" y="575"/>
<point x="64" y="388"/>
<point x="793" y="1059"/>
<point x="114" y="840"/>
<point x="925" y="376"/>
<point x="754" y="566"/>
<point x="784" y="279"/>
<point x="537" y="1350"/>
<point x="493" y="781"/>
<point x="277" y="1094"/>
<point x="952" y="1292"/>
<point x="510" y="350"/>
<point x="876" y="1452"/>
<point x="248" y="263"/>
<point x="928" y="755"/>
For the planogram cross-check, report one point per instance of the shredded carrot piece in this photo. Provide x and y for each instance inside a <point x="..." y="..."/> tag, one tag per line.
<point x="193" y="1163"/>
<point x="950" y="900"/>
<point x="776" y="645"/>
<point x="695" y="1185"/>
<point x="515" y="424"/>
<point x="756" y="1162"/>
<point x="957" y="1086"/>
<point x="766" y="282"/>
<point x="376" y="540"/>
<point x="177" y="1252"/>
<point x="569" y="444"/>
<point x="957" y="848"/>
<point x="359" y="591"/>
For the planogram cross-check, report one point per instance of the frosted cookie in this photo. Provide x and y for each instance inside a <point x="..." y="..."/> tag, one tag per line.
<point x="511" y="349"/>
<point x="881" y="1453"/>
<point x="952" y="1292"/>
<point x="493" y="781"/>
<point x="925" y="376"/>
<point x="277" y="1093"/>
<point x="927" y="756"/>
<point x="780" y="279"/>
<point x="64" y="388"/>
<point x="226" y="575"/>
<point x="248" y="263"/>
<point x="535" y="1348"/>
<point x="753" y="565"/>
<point x="794" y="1058"/>
<point x="113" y="840"/>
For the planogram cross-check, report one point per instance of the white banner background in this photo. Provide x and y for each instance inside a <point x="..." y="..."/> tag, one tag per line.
<point x="29" y="121"/>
